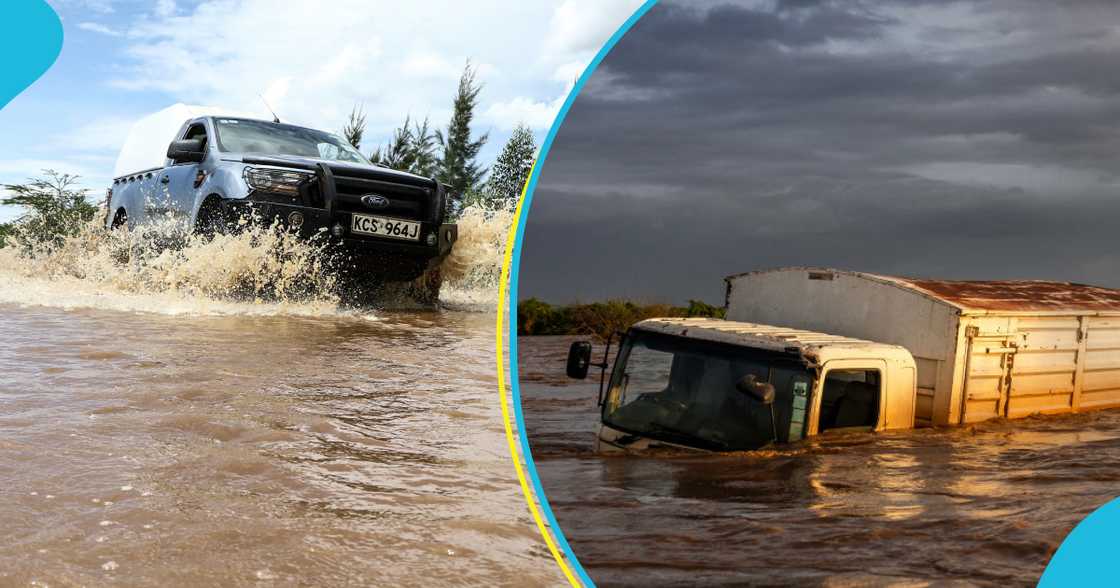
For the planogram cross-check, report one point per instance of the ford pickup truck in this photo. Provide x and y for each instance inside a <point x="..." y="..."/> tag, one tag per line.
<point x="392" y="225"/>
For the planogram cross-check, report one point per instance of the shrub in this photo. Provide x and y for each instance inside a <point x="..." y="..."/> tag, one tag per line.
<point x="599" y="319"/>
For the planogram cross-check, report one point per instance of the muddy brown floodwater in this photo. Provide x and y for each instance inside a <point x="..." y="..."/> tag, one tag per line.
<point x="977" y="505"/>
<point x="182" y="411"/>
<point x="344" y="449"/>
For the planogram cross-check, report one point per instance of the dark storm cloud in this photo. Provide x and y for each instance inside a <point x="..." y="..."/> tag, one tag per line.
<point x="964" y="140"/>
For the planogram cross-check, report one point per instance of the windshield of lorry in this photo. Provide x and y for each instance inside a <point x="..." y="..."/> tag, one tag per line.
<point x="253" y="136"/>
<point x="683" y="391"/>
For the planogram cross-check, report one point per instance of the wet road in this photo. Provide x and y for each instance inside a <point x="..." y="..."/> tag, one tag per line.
<point x="979" y="505"/>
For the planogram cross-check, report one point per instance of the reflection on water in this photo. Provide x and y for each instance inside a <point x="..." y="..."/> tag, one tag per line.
<point x="340" y="449"/>
<point x="985" y="504"/>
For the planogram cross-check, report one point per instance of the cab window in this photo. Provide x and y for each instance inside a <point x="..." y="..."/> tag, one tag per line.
<point x="197" y="131"/>
<point x="849" y="399"/>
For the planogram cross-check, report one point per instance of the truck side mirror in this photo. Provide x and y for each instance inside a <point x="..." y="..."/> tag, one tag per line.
<point x="186" y="150"/>
<point x="762" y="392"/>
<point x="579" y="359"/>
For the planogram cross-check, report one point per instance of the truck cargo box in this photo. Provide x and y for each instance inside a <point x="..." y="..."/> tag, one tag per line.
<point x="983" y="349"/>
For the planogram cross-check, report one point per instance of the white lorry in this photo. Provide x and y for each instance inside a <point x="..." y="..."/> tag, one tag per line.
<point x="858" y="350"/>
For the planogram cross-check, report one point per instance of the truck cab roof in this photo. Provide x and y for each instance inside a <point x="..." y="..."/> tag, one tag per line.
<point x="817" y="347"/>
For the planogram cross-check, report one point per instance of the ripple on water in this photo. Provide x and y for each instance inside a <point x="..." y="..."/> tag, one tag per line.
<point x="986" y="504"/>
<point x="298" y="447"/>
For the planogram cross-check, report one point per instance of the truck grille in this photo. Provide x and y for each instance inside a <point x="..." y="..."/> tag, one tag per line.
<point x="409" y="202"/>
<point x="409" y="197"/>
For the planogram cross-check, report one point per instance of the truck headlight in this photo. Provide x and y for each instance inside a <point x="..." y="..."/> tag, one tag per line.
<point x="280" y="181"/>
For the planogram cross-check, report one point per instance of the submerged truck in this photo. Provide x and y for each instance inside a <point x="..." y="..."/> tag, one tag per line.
<point x="218" y="168"/>
<point x="857" y="351"/>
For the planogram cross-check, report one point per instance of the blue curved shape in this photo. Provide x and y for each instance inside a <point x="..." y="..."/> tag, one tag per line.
<point x="1085" y="557"/>
<point x="30" y="41"/>
<point x="514" y="270"/>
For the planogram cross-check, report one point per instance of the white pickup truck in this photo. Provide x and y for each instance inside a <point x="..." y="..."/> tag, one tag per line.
<point x="218" y="168"/>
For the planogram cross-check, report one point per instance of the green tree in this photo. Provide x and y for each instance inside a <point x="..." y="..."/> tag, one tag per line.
<point x="458" y="166"/>
<point x="601" y="319"/>
<point x="699" y="308"/>
<point x="55" y="208"/>
<point x="535" y="317"/>
<point x="411" y="148"/>
<point x="398" y="152"/>
<point x="6" y="230"/>
<point x="425" y="158"/>
<point x="355" y="127"/>
<point x="511" y="169"/>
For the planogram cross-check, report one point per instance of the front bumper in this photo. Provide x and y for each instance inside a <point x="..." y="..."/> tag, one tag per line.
<point x="611" y="440"/>
<point x="317" y="222"/>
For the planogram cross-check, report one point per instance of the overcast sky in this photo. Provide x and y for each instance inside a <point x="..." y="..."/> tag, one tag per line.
<point x="972" y="140"/>
<point x="313" y="61"/>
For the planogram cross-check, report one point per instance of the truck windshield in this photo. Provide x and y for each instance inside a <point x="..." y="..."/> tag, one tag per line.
<point x="683" y="391"/>
<point x="239" y="135"/>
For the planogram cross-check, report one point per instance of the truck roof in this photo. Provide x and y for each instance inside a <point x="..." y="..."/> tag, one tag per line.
<point x="989" y="295"/>
<point x="809" y="343"/>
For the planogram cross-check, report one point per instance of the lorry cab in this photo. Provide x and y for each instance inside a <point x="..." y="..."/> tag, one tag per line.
<point x="719" y="385"/>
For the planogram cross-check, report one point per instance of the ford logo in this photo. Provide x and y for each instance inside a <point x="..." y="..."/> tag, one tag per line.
<point x="375" y="201"/>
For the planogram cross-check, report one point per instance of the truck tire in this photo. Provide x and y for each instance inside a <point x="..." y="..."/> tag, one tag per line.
<point x="212" y="219"/>
<point x="425" y="289"/>
<point x="120" y="219"/>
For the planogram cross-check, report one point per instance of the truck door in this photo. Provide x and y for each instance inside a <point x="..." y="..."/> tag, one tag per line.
<point x="850" y="394"/>
<point x="177" y="181"/>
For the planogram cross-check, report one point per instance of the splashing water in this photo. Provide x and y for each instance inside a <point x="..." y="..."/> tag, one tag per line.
<point x="164" y="268"/>
<point x="472" y="271"/>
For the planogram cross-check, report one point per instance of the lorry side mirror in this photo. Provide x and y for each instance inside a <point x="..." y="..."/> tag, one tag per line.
<point x="579" y="359"/>
<point x="186" y="150"/>
<point x="762" y="392"/>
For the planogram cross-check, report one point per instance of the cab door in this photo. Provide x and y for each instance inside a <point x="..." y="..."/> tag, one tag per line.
<point x="849" y="394"/>
<point x="179" y="181"/>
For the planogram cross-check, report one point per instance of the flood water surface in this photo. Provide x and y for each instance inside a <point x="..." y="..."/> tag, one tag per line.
<point x="984" y="505"/>
<point x="160" y="427"/>
<point x="144" y="449"/>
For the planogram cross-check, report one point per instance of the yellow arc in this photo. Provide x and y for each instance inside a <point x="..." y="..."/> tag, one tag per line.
<point x="506" y="416"/>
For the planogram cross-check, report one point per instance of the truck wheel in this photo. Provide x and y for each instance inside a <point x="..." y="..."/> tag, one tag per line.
<point x="425" y="289"/>
<point x="212" y="219"/>
<point x="119" y="220"/>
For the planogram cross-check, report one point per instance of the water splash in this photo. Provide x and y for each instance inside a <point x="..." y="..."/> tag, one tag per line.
<point x="472" y="271"/>
<point x="261" y="269"/>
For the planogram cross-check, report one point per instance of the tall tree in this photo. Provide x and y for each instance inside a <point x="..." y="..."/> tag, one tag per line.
<point x="355" y="127"/>
<point x="459" y="167"/>
<point x="398" y="152"/>
<point x="425" y="158"/>
<point x="511" y="169"/>
<point x="55" y="208"/>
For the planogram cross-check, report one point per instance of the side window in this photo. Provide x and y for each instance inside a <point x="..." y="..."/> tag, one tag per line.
<point x="197" y="132"/>
<point x="850" y="398"/>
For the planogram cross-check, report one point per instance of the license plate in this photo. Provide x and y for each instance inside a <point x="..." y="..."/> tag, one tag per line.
<point x="385" y="227"/>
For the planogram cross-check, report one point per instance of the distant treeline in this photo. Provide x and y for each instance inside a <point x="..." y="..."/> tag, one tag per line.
<point x="600" y="319"/>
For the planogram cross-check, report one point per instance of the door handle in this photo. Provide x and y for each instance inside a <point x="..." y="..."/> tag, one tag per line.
<point x="164" y="180"/>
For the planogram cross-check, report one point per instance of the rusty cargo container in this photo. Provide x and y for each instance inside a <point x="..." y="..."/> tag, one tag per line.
<point x="983" y="349"/>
